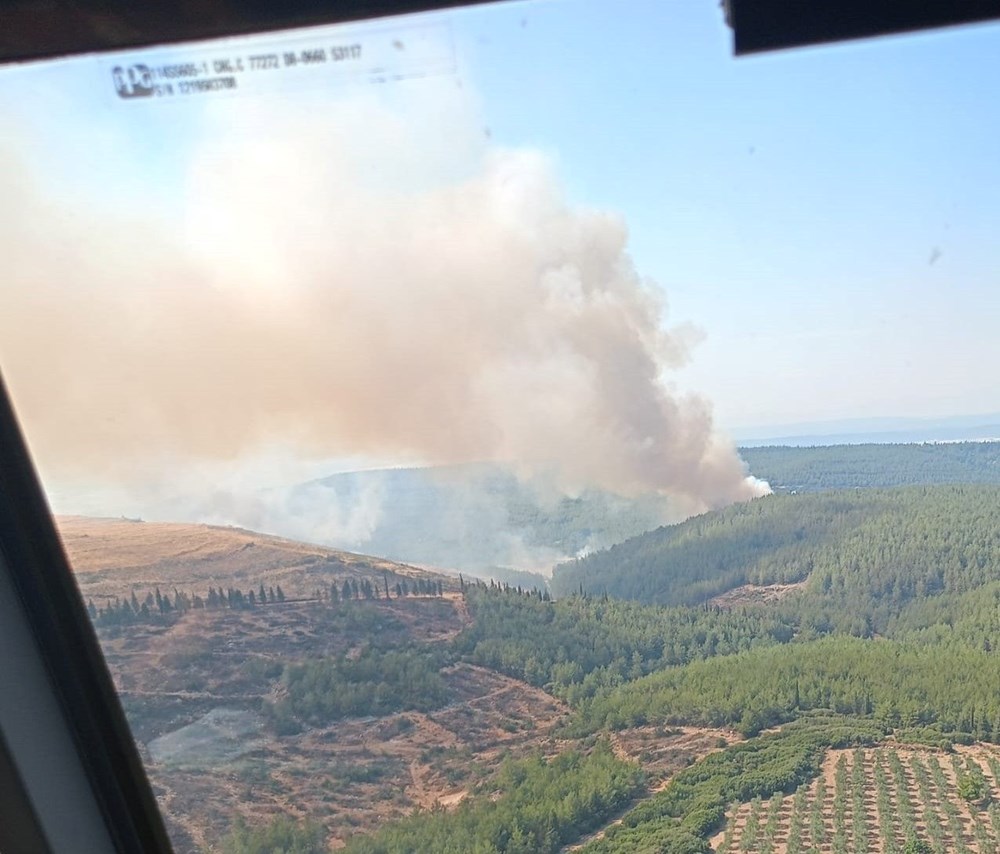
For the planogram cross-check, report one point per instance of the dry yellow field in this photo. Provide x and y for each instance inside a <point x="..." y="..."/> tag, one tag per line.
<point x="112" y="557"/>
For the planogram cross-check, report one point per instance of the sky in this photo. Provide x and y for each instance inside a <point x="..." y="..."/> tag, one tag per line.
<point x="820" y="224"/>
<point x="789" y="204"/>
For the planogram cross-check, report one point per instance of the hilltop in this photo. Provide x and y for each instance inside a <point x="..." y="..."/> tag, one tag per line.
<point x="807" y="469"/>
<point x="860" y="556"/>
<point x="112" y="557"/>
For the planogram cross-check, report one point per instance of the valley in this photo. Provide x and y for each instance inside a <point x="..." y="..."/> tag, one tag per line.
<point x="799" y="673"/>
<point x="196" y="686"/>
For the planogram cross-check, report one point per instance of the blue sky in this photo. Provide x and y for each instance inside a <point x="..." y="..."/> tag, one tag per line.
<point x="789" y="205"/>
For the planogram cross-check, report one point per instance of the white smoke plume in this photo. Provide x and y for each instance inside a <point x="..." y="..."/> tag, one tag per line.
<point x="379" y="286"/>
<point x="310" y="513"/>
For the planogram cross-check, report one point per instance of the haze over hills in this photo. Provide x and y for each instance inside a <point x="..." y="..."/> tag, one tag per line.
<point x="476" y="518"/>
<point x="481" y="519"/>
<point x="811" y="468"/>
<point x="887" y="430"/>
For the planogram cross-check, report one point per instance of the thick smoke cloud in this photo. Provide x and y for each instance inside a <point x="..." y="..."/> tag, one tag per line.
<point x="394" y="293"/>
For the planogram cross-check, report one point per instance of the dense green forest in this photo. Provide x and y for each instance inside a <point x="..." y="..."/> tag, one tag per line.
<point x="281" y="836"/>
<point x="576" y="646"/>
<point x="321" y="691"/>
<point x="970" y="619"/>
<point x="617" y="662"/>
<point x="874" y="465"/>
<point x="899" y="684"/>
<point x="532" y="806"/>
<point x="864" y="554"/>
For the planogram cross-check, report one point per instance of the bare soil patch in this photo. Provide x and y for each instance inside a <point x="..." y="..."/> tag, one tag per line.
<point x="181" y="677"/>
<point x="755" y="594"/>
<point x="361" y="772"/>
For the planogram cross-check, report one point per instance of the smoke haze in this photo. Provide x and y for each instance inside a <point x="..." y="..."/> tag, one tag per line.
<point x="403" y="293"/>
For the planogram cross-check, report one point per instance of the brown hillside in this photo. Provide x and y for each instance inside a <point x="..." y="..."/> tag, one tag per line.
<point x="112" y="556"/>
<point x="197" y="686"/>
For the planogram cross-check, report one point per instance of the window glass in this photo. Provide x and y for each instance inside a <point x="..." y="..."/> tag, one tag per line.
<point x="312" y="333"/>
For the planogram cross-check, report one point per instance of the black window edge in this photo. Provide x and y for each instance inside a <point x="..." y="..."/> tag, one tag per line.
<point x="769" y="25"/>
<point x="68" y="646"/>
<point x="20" y="829"/>
<point x="31" y="30"/>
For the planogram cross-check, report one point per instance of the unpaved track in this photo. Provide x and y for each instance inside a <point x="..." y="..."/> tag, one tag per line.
<point x="683" y="745"/>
